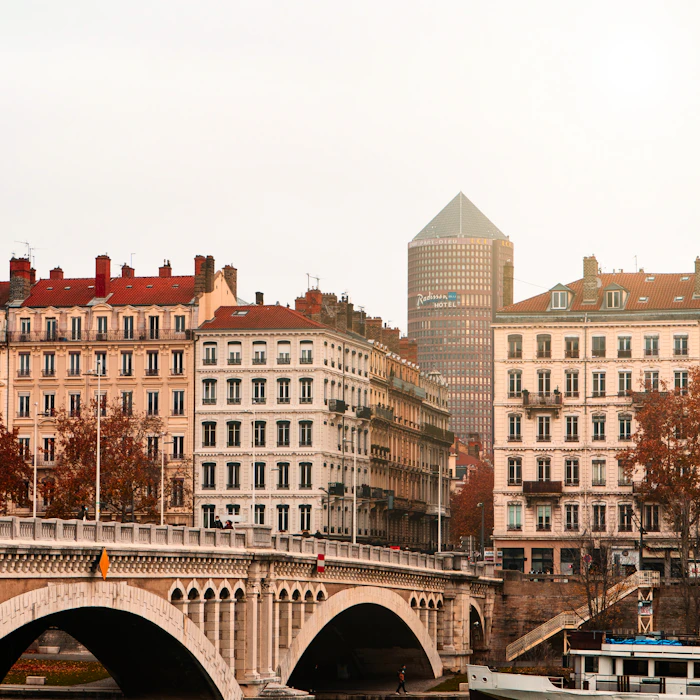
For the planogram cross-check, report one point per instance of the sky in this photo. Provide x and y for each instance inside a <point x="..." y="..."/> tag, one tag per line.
<point x="289" y="138"/>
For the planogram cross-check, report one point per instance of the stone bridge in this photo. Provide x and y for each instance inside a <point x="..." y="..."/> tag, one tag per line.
<point x="186" y="612"/>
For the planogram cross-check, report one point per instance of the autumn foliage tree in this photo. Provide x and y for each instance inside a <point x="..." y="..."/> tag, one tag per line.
<point x="465" y="515"/>
<point x="15" y="472"/>
<point x="129" y="470"/>
<point x="666" y="448"/>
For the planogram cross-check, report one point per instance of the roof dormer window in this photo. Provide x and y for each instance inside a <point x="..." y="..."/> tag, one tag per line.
<point x="650" y="278"/>
<point x="613" y="299"/>
<point x="560" y="300"/>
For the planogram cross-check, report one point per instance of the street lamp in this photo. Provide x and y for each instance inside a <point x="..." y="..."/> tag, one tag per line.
<point x="162" y="477"/>
<point x="354" y="484"/>
<point x="481" y="505"/>
<point x="439" y="522"/>
<point x="36" y="452"/>
<point x="98" y="372"/>
<point x="252" y="411"/>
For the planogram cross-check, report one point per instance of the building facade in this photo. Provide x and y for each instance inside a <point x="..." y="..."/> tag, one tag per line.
<point x="135" y="332"/>
<point x="568" y="364"/>
<point x="460" y="271"/>
<point x="282" y="405"/>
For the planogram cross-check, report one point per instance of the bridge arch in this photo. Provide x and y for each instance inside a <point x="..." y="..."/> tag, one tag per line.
<point x="342" y="601"/>
<point x="110" y="615"/>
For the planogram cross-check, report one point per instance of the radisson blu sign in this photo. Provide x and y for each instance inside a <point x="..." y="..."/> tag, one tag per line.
<point x="438" y="301"/>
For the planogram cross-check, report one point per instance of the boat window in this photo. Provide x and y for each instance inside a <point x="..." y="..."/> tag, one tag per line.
<point x="592" y="664"/>
<point x="672" y="669"/>
<point x="635" y="667"/>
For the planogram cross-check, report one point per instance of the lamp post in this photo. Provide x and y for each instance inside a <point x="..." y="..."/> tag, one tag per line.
<point x="355" y="448"/>
<point x="481" y="505"/>
<point x="439" y="520"/>
<point x="162" y="478"/>
<point x="36" y="450"/>
<point x="98" y="372"/>
<point x="252" y="504"/>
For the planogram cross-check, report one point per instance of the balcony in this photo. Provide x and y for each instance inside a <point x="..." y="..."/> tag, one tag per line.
<point x="73" y="372"/>
<point x="48" y="373"/>
<point x="543" y="401"/>
<point x="515" y="355"/>
<point x="544" y="354"/>
<point x="260" y="360"/>
<point x="177" y="371"/>
<point x="363" y="412"/>
<point x="151" y="372"/>
<point x="86" y="336"/>
<point x="126" y="372"/>
<point x="24" y="373"/>
<point x="538" y="490"/>
<point x="624" y="354"/>
<point x="571" y="438"/>
<point x="284" y="360"/>
<point x="233" y="400"/>
<point x="571" y="354"/>
<point x="209" y="361"/>
<point x="209" y="401"/>
<point x="234" y="360"/>
<point x="515" y="438"/>
<point x="515" y="394"/>
<point x="383" y="413"/>
<point x="283" y="399"/>
<point x="546" y="437"/>
<point x="651" y="352"/>
<point x="438" y="433"/>
<point x="306" y="360"/>
<point x="338" y="406"/>
<point x="571" y="394"/>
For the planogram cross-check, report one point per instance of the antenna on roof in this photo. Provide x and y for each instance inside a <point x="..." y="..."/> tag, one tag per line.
<point x="310" y="277"/>
<point x="131" y="259"/>
<point x="635" y="264"/>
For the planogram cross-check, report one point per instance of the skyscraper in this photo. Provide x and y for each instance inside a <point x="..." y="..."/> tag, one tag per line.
<point x="460" y="271"/>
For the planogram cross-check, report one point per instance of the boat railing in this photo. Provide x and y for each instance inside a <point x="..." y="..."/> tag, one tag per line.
<point x="637" y="684"/>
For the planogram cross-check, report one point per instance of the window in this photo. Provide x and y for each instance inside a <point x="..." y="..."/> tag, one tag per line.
<point x="305" y="387"/>
<point x="515" y="347"/>
<point x="571" y="347"/>
<point x="515" y="384"/>
<point x="259" y="391"/>
<point x="307" y="352"/>
<point x="305" y="518"/>
<point x="651" y="380"/>
<point x="560" y="300"/>
<point x="152" y="403"/>
<point x="598" y="347"/>
<point x="543" y="428"/>
<point x="282" y="475"/>
<point x="283" y="390"/>
<point x="179" y="402"/>
<point x="49" y="450"/>
<point x="544" y="346"/>
<point x="154" y="327"/>
<point x="127" y="402"/>
<point x="49" y="364"/>
<point x="624" y="478"/>
<point x="259" y="353"/>
<point x="680" y="345"/>
<point x="599" y="518"/>
<point x="305" y="475"/>
<point x="624" y="383"/>
<point x="101" y="363"/>
<point x="51" y="327"/>
<point x="284" y="352"/>
<point x="209" y="354"/>
<point x="233" y="433"/>
<point x="260" y="433"/>
<point x="152" y="363"/>
<point x="234" y="353"/>
<point x="598" y="384"/>
<point x="625" y="517"/>
<point x="283" y="518"/>
<point x="178" y="446"/>
<point x="571" y="514"/>
<point x="572" y="429"/>
<point x="305" y="433"/>
<point x="177" y="493"/>
<point x="544" y="382"/>
<point x="209" y="434"/>
<point x="613" y="299"/>
<point x="23" y="406"/>
<point x="680" y="381"/>
<point x="599" y="428"/>
<point x="233" y="475"/>
<point x="208" y="475"/>
<point x="544" y="469"/>
<point x="76" y="328"/>
<point x="260" y="475"/>
<point x="74" y="405"/>
<point x="571" y="378"/>
<point x="624" y="346"/>
<point x="24" y="448"/>
<point x="74" y="364"/>
<point x="179" y="324"/>
<point x="128" y="327"/>
<point x="544" y="517"/>
<point x="152" y="445"/>
<point x="625" y="425"/>
<point x="515" y="516"/>
<point x="259" y="514"/>
<point x="651" y="518"/>
<point x="598" y="472"/>
<point x="515" y="471"/>
<point x="651" y="346"/>
<point x="127" y="364"/>
<point x="514" y="427"/>
<point x="24" y="364"/>
<point x="208" y="516"/>
<point x="283" y="433"/>
<point x="209" y="391"/>
<point x="571" y="471"/>
<point x="25" y="325"/>
<point x="101" y="328"/>
<point x="178" y="361"/>
<point x="49" y="403"/>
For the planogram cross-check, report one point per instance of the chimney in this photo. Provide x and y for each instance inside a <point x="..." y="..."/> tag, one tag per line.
<point x="56" y="274"/>
<point x="199" y="261"/>
<point x="32" y="276"/>
<point x="508" y="271"/>
<point x="696" y="290"/>
<point x="231" y="277"/>
<point x="209" y="272"/>
<point x="20" y="279"/>
<point x="590" y="280"/>
<point x="102" y="276"/>
<point x="127" y="271"/>
<point x="165" y="270"/>
<point x="259" y="298"/>
<point x="408" y="349"/>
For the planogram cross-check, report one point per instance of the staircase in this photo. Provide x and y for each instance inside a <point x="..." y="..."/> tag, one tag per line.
<point x="573" y="619"/>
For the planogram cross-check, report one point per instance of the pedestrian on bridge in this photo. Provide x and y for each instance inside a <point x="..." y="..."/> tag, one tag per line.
<point x="402" y="680"/>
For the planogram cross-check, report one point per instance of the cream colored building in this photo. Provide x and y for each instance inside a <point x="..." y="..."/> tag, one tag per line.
<point x="567" y="365"/>
<point x="136" y="331"/>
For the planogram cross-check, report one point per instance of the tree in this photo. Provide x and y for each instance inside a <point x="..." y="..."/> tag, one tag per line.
<point x="666" y="447"/>
<point x="15" y="472"/>
<point x="465" y="516"/>
<point x="130" y="463"/>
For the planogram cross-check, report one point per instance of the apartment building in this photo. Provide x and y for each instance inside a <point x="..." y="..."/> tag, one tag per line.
<point x="282" y="405"/>
<point x="568" y="365"/>
<point x="134" y="332"/>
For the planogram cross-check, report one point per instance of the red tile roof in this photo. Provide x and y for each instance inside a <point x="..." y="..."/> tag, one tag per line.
<point x="4" y="293"/>
<point x="660" y="291"/>
<point x="124" y="291"/>
<point x="259" y="317"/>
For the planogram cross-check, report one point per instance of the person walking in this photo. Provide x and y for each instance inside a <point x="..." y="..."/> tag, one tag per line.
<point x="218" y="525"/>
<point x="402" y="680"/>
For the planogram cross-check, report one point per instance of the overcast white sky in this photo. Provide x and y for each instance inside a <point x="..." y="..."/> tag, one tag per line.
<point x="295" y="137"/>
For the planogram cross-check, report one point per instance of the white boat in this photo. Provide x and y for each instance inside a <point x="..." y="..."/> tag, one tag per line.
<point x="604" y="666"/>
